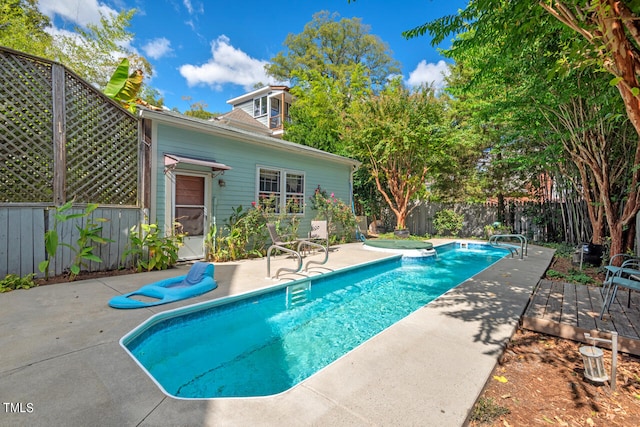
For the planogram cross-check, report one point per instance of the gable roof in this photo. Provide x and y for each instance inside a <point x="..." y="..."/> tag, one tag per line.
<point x="237" y="133"/>
<point x="242" y="119"/>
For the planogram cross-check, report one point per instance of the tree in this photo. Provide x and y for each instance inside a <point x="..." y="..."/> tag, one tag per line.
<point x="197" y="109"/>
<point x="95" y="51"/>
<point x="124" y="87"/>
<point x="612" y="29"/>
<point x="500" y="33"/>
<point x="331" y="63"/>
<point x="317" y="116"/>
<point x="334" y="48"/>
<point x="398" y="135"/>
<point x="23" y="28"/>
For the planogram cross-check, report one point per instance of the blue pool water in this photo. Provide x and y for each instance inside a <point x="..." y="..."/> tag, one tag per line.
<point x="265" y="344"/>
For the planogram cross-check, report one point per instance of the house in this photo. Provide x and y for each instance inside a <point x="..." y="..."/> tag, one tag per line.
<point x="267" y="109"/>
<point x="200" y="170"/>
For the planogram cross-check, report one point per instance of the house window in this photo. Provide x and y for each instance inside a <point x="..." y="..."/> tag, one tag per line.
<point x="281" y="190"/>
<point x="295" y="193"/>
<point x="260" y="106"/>
<point x="275" y="120"/>
<point x="287" y="106"/>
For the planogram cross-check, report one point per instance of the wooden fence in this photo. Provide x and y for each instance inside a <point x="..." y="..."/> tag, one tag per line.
<point x="22" y="231"/>
<point x="531" y="219"/>
<point x="62" y="139"/>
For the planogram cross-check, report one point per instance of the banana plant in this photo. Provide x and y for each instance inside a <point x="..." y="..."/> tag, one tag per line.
<point x="124" y="87"/>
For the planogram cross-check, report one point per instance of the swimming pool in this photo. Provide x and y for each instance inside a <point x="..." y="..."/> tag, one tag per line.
<point x="263" y="344"/>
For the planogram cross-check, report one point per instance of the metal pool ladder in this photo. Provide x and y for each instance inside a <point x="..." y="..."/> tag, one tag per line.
<point x="298" y="293"/>
<point x="497" y="241"/>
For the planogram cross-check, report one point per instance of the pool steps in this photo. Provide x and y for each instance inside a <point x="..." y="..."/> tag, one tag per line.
<point x="298" y="294"/>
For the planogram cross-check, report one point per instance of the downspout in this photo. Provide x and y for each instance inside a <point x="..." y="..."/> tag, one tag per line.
<point x="215" y="226"/>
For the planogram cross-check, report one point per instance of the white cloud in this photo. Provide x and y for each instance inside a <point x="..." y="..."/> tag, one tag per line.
<point x="80" y="12"/>
<point x="157" y="48"/>
<point x="429" y="73"/>
<point x="187" y="4"/>
<point x="227" y="65"/>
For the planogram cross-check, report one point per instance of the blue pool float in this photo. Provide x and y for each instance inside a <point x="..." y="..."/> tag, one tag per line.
<point x="197" y="281"/>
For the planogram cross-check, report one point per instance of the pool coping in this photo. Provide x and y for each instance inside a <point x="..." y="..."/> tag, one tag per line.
<point x="61" y="353"/>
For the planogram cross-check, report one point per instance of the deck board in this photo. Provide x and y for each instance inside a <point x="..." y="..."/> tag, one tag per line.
<point x="553" y="312"/>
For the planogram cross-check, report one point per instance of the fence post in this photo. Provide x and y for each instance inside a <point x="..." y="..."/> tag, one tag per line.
<point x="59" y="134"/>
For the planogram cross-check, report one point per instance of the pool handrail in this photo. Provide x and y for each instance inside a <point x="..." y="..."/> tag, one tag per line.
<point x="283" y="249"/>
<point x="315" y="245"/>
<point x="494" y="241"/>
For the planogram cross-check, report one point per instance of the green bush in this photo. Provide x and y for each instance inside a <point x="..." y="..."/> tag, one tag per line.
<point x="572" y="276"/>
<point x="447" y="220"/>
<point x="88" y="235"/>
<point x="150" y="250"/>
<point x="12" y="282"/>
<point x="496" y="228"/>
<point x="243" y="235"/>
<point x="341" y="221"/>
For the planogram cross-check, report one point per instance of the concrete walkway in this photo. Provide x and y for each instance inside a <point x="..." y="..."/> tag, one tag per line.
<point x="61" y="363"/>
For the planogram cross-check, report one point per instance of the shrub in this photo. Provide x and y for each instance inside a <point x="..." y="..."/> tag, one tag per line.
<point x="242" y="236"/>
<point x="12" y="282"/>
<point x="150" y="250"/>
<point x="495" y="228"/>
<point x="88" y="235"/>
<point x="341" y="221"/>
<point x="447" y="220"/>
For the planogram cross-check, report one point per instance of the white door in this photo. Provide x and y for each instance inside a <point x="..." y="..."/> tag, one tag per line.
<point x="190" y="210"/>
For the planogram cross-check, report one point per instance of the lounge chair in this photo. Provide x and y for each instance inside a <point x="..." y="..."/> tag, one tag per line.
<point x="197" y="281"/>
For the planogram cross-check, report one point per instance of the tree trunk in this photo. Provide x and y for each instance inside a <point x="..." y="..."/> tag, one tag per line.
<point x="614" y="31"/>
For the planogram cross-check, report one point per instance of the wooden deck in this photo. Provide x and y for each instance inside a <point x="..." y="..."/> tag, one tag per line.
<point x="568" y="310"/>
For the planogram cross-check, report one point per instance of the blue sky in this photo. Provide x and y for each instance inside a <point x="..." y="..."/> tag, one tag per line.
<point x="212" y="51"/>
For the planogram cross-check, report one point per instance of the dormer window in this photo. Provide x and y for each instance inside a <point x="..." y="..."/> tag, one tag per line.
<point x="260" y="106"/>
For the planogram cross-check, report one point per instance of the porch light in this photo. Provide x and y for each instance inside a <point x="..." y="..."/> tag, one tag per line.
<point x="222" y="183"/>
<point x="593" y="359"/>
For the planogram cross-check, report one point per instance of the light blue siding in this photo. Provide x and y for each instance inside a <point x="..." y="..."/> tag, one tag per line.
<point x="244" y="158"/>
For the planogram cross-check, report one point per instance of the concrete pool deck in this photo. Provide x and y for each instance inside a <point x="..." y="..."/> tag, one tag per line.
<point x="61" y="362"/>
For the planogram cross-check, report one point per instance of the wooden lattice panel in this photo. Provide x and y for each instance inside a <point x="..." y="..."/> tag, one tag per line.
<point x="26" y="151"/>
<point x="102" y="153"/>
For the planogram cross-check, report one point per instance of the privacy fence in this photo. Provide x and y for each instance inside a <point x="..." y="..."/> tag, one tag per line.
<point x="540" y="222"/>
<point x="60" y="140"/>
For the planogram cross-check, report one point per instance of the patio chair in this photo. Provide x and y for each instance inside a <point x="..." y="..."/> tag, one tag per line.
<point x="625" y="276"/>
<point x="319" y="231"/>
<point x="284" y="240"/>
<point x="612" y="268"/>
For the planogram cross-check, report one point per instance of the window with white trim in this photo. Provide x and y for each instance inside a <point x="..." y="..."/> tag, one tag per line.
<point x="260" y="106"/>
<point x="281" y="190"/>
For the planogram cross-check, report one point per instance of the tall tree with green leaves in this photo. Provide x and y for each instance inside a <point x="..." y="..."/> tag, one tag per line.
<point x="317" y="116"/>
<point x="94" y="52"/>
<point x="401" y="137"/>
<point x="23" y="28"/>
<point x="537" y="62"/>
<point x="334" y="47"/>
<point x="332" y="62"/>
